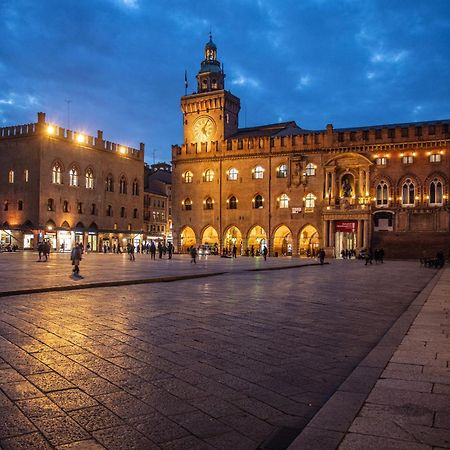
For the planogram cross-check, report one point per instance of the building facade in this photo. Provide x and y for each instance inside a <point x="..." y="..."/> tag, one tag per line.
<point x="296" y="190"/>
<point x="157" y="203"/>
<point x="67" y="187"/>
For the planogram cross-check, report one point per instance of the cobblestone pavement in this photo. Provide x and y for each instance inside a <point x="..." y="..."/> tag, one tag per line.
<point x="238" y="361"/>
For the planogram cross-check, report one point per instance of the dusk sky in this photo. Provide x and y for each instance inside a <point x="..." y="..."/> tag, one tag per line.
<point x="121" y="63"/>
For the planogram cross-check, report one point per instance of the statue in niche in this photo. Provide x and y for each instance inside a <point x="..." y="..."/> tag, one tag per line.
<point x="346" y="187"/>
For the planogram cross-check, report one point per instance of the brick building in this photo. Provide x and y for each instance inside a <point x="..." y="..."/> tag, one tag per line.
<point x="67" y="187"/>
<point x="296" y="190"/>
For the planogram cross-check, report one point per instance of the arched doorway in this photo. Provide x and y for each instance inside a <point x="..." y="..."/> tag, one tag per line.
<point x="211" y="238"/>
<point x="309" y="241"/>
<point x="232" y="237"/>
<point x="187" y="239"/>
<point x="256" y="240"/>
<point x="282" y="241"/>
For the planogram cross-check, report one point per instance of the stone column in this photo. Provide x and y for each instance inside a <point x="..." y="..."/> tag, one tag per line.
<point x="361" y="183"/>
<point x="359" y="242"/>
<point x="331" y="234"/>
<point x="366" y="234"/>
<point x="325" y="233"/>
<point x="333" y="184"/>
<point x="367" y="182"/>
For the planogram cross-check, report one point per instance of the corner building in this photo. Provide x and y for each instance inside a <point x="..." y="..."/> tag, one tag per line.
<point x="296" y="190"/>
<point x="66" y="187"/>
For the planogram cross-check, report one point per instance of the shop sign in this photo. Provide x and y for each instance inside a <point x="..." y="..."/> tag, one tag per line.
<point x="349" y="226"/>
<point x="296" y="210"/>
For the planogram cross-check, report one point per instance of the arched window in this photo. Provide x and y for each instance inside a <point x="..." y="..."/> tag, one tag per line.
<point x="89" y="179"/>
<point x="135" y="187"/>
<point x="109" y="183"/>
<point x="73" y="176"/>
<point x="188" y="176"/>
<point x="408" y="193"/>
<point x="56" y="174"/>
<point x="382" y="196"/>
<point x="209" y="203"/>
<point x="310" y="201"/>
<point x="209" y="175"/>
<point x="283" y="201"/>
<point x="436" y="193"/>
<point x="258" y="201"/>
<point x="258" y="172"/>
<point x="11" y="176"/>
<point x="232" y="202"/>
<point x="232" y="174"/>
<point x="187" y="204"/>
<point x="123" y="185"/>
<point x="310" y="170"/>
<point x="50" y="204"/>
<point x="282" y="171"/>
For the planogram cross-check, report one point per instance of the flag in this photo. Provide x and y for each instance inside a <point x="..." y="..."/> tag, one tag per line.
<point x="185" y="79"/>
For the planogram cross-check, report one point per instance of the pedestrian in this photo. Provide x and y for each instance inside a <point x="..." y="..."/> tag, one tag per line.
<point x="265" y="251"/>
<point x="170" y="249"/>
<point x="321" y="256"/>
<point x="152" y="250"/>
<point x="160" y="250"/>
<point x="381" y="255"/>
<point x="46" y="250"/>
<point x="369" y="257"/>
<point x="234" y="251"/>
<point x="75" y="256"/>
<point x="193" y="253"/>
<point x="40" y="250"/>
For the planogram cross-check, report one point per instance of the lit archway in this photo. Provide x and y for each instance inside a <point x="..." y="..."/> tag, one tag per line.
<point x="210" y="236"/>
<point x="187" y="239"/>
<point x="232" y="237"/>
<point x="282" y="241"/>
<point x="308" y="241"/>
<point x="256" y="240"/>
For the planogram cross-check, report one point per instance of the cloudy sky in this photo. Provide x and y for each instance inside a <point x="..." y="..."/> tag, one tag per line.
<point x="121" y="63"/>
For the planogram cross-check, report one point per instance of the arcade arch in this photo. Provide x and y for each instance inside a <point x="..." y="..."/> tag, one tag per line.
<point x="256" y="238"/>
<point x="282" y="241"/>
<point x="308" y="241"/>
<point x="187" y="239"/>
<point x="210" y="236"/>
<point x="232" y="236"/>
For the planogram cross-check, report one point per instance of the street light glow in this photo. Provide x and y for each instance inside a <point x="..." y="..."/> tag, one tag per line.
<point x="80" y="138"/>
<point x="50" y="129"/>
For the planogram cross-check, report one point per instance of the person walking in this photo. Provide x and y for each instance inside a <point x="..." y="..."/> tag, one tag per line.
<point x="321" y="256"/>
<point x="40" y="250"/>
<point x="46" y="250"/>
<point x="75" y="256"/>
<point x="193" y="253"/>
<point x="160" y="249"/>
<point x="369" y="257"/>
<point x="152" y="250"/>
<point x="170" y="249"/>
<point x="265" y="251"/>
<point x="234" y="251"/>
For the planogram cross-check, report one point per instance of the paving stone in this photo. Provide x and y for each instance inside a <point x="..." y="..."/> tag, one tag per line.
<point x="200" y="424"/>
<point x="417" y="386"/>
<point x="71" y="399"/>
<point x="32" y="441"/>
<point x="81" y="445"/>
<point x="318" y="439"/>
<point x="41" y="407"/>
<point x="415" y="414"/>
<point x="21" y="390"/>
<point x="14" y="423"/>
<point x="124" y="404"/>
<point x="354" y="441"/>
<point x="10" y="375"/>
<point x="232" y="440"/>
<point x="187" y="443"/>
<point x="123" y="438"/>
<point x="158" y="428"/>
<point x="215" y="407"/>
<point x="249" y="426"/>
<point x="95" y="418"/>
<point x="50" y="381"/>
<point x="61" y="430"/>
<point x="96" y="386"/>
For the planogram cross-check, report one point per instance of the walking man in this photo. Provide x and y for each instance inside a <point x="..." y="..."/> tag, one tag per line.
<point x="75" y="256"/>
<point x="265" y="253"/>
<point x="193" y="252"/>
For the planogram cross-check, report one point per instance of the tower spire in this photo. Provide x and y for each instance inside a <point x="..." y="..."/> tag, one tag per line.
<point x="211" y="76"/>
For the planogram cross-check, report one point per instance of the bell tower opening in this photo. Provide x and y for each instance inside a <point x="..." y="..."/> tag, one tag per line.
<point x="211" y="76"/>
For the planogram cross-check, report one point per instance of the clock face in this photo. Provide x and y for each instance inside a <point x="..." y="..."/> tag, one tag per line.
<point x="204" y="129"/>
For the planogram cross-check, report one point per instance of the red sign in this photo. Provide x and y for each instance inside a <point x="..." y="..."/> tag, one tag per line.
<point x="349" y="226"/>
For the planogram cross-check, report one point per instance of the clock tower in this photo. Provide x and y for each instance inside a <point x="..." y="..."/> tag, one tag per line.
<point x="211" y="113"/>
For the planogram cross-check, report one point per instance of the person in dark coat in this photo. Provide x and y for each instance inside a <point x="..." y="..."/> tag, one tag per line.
<point x="75" y="256"/>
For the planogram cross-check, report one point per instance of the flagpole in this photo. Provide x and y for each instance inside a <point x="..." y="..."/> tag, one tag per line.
<point x="185" y="82"/>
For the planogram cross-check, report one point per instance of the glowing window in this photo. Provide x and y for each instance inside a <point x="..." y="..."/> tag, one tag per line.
<point x="310" y="170"/>
<point x="382" y="194"/>
<point x="188" y="176"/>
<point x="209" y="175"/>
<point x="209" y="204"/>
<point x="435" y="157"/>
<point x="11" y="176"/>
<point x="73" y="177"/>
<point x="436" y="193"/>
<point x="232" y="174"/>
<point x="56" y="174"/>
<point x="408" y="193"/>
<point x="310" y="201"/>
<point x="89" y="179"/>
<point x="258" y="172"/>
<point x="188" y="204"/>
<point x="282" y="171"/>
<point x="283" y="201"/>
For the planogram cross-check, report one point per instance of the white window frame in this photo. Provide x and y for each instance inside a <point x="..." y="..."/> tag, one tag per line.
<point x="310" y="170"/>
<point x="73" y="176"/>
<point x="258" y="173"/>
<point x="408" y="183"/>
<point x="232" y="174"/>
<point x="310" y="201"/>
<point x="382" y="200"/>
<point x="282" y="171"/>
<point x="188" y="177"/>
<point x="89" y="178"/>
<point x="283" y="201"/>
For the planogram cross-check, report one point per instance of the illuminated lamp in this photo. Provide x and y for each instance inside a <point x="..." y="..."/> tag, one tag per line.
<point x="122" y="149"/>
<point x="80" y="138"/>
<point x="49" y="228"/>
<point x="417" y="197"/>
<point x="401" y="155"/>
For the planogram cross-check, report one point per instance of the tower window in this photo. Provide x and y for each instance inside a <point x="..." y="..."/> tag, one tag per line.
<point x="282" y="171"/>
<point x="258" y="201"/>
<point x="283" y="201"/>
<point x="232" y="202"/>
<point x="11" y="176"/>
<point x="188" y="176"/>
